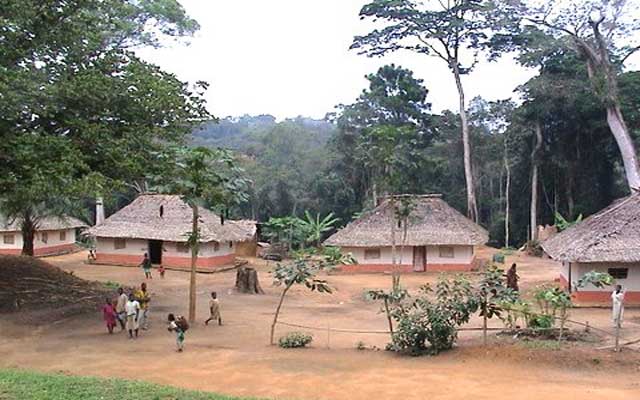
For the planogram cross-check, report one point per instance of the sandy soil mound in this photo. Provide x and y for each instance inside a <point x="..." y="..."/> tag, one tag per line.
<point x="45" y="293"/>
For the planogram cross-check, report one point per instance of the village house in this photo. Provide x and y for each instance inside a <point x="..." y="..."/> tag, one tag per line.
<point x="159" y="225"/>
<point x="438" y="238"/>
<point x="53" y="236"/>
<point x="608" y="241"/>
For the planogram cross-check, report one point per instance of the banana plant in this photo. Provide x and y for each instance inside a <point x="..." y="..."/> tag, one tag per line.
<point x="316" y="227"/>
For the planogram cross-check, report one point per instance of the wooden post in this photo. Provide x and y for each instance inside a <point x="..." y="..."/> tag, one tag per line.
<point x="617" y="349"/>
<point x="484" y="322"/>
<point x="586" y="328"/>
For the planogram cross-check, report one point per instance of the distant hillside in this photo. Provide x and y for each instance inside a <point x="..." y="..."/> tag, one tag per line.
<point x="248" y="133"/>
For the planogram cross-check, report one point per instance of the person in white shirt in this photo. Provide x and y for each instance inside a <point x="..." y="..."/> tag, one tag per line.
<point x="132" y="309"/>
<point x="617" y="299"/>
<point x="120" y="312"/>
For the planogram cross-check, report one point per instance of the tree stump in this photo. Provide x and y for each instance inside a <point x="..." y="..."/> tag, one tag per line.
<point x="247" y="281"/>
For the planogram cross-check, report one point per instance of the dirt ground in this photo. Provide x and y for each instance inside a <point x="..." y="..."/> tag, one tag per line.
<point x="236" y="359"/>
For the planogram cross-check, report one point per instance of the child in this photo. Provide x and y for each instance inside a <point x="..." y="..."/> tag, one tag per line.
<point x="178" y="325"/>
<point x="109" y="314"/>
<point x="161" y="270"/>
<point x="214" y="309"/>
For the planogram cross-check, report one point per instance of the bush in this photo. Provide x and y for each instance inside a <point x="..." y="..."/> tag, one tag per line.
<point x="431" y="325"/>
<point x="294" y="340"/>
<point x="541" y="322"/>
<point x="498" y="258"/>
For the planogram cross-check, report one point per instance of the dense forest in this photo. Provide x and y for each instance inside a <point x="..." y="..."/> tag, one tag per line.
<point x="302" y="164"/>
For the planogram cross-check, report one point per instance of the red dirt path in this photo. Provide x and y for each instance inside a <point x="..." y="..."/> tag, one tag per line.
<point x="235" y="358"/>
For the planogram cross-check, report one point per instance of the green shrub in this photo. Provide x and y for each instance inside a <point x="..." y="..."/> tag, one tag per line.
<point x="112" y="284"/>
<point x="541" y="321"/>
<point x="428" y="324"/>
<point x="294" y="340"/>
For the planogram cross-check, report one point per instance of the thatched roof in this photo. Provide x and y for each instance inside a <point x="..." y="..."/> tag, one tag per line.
<point x="611" y="235"/>
<point x="431" y="222"/>
<point x="45" y="224"/>
<point x="168" y="218"/>
<point x="247" y="226"/>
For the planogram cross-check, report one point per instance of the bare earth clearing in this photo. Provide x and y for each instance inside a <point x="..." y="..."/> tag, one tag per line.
<point x="235" y="358"/>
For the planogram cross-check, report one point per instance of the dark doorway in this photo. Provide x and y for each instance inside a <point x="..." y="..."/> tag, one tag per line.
<point x="155" y="251"/>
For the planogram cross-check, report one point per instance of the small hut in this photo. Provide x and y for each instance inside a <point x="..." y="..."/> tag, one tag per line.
<point x="438" y="238"/>
<point x="54" y="236"/>
<point x="159" y="225"/>
<point x="608" y="241"/>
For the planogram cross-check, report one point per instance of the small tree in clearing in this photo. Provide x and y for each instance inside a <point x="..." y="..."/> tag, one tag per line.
<point x="199" y="176"/>
<point x="303" y="270"/>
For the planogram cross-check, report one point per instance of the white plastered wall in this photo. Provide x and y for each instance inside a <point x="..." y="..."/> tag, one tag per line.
<point x="632" y="283"/>
<point x="461" y="255"/>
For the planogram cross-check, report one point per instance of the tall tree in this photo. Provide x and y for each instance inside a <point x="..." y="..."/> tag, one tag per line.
<point x="69" y="80"/>
<point x="598" y="31"/>
<point x="441" y="29"/>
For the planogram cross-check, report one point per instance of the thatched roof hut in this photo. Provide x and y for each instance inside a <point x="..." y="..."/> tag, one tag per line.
<point x="611" y="235"/>
<point x="431" y="222"/>
<point x="45" y="224"/>
<point x="167" y="218"/>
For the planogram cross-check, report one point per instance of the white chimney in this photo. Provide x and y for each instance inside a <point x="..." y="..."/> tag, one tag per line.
<point x="99" y="211"/>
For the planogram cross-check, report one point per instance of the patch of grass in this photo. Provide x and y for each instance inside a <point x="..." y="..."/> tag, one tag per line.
<point x="16" y="384"/>
<point x="112" y="284"/>
<point x="541" y="344"/>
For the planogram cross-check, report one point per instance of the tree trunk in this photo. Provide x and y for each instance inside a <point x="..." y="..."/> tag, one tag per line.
<point x="247" y="281"/>
<point x="28" y="228"/>
<point x="472" y="207"/>
<point x="625" y="144"/>
<point x="600" y="68"/>
<point x="534" y="182"/>
<point x="195" y="237"/>
<point x="395" y="275"/>
<point x="275" y="316"/>
<point x="507" y="198"/>
<point x="386" y="309"/>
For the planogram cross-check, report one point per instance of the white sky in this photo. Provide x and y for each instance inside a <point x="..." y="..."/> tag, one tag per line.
<point x="291" y="57"/>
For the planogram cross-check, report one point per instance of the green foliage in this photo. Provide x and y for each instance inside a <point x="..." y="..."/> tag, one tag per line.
<point x="82" y="115"/>
<point x="430" y="324"/>
<point x="561" y="223"/>
<point x="293" y="340"/>
<point x="498" y="258"/>
<point x="27" y="385"/>
<point x="541" y="321"/>
<point x="315" y="228"/>
<point x="595" y="278"/>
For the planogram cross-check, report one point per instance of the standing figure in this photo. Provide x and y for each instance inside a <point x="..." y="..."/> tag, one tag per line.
<point x="146" y="266"/>
<point x="132" y="309"/>
<point x="143" y="297"/>
<point x="109" y="315"/>
<point x="161" y="270"/>
<point x="214" y="309"/>
<point x="120" y="311"/>
<point x="512" y="278"/>
<point x="617" y="299"/>
<point x="179" y="325"/>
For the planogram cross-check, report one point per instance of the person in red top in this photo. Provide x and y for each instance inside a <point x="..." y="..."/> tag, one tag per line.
<point x="109" y="314"/>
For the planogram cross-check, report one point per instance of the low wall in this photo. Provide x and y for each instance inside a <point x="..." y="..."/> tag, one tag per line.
<point x="44" y="251"/>
<point x="167" y="261"/>
<point x="598" y="297"/>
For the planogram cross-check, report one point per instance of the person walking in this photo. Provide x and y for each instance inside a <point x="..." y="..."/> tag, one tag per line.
<point x="146" y="266"/>
<point x="512" y="278"/>
<point x="617" y="300"/>
<point x="214" y="309"/>
<point x="143" y="297"/>
<point x="132" y="308"/>
<point x="120" y="311"/>
<point x="109" y="315"/>
<point x="179" y="325"/>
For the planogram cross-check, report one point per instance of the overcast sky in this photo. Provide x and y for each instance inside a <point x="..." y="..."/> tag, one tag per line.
<point x="292" y="57"/>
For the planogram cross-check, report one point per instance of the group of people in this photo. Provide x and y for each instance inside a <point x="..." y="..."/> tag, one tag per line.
<point x="131" y="312"/>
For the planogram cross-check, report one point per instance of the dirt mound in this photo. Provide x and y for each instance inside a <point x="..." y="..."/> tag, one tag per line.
<point x="43" y="292"/>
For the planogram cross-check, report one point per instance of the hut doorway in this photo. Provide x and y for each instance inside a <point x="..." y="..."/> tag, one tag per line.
<point x="155" y="251"/>
<point x="419" y="258"/>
